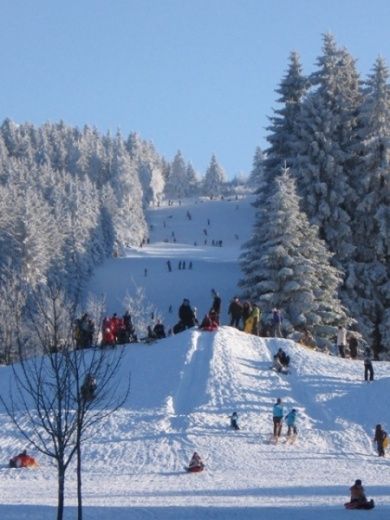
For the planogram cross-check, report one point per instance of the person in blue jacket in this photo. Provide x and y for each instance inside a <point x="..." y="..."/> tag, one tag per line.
<point x="290" y="419"/>
<point x="278" y="413"/>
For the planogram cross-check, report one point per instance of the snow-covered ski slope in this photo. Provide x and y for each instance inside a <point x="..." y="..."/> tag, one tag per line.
<point x="215" y="267"/>
<point x="183" y="390"/>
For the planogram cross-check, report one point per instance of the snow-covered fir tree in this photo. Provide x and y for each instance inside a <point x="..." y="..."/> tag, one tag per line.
<point x="177" y="185"/>
<point x="286" y="265"/>
<point x="291" y="91"/>
<point x="324" y="133"/>
<point x="150" y="168"/>
<point x="257" y="172"/>
<point x="214" y="179"/>
<point x="368" y="284"/>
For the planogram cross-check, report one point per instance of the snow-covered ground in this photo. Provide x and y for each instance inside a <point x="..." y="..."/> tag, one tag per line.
<point x="185" y="387"/>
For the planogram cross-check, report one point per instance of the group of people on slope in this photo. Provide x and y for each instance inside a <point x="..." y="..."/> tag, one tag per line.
<point x="278" y="414"/>
<point x="118" y="330"/>
<point x="188" y="318"/>
<point x="247" y="316"/>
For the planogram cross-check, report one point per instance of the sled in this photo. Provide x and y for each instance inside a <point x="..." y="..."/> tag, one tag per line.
<point x="194" y="469"/>
<point x="290" y="439"/>
<point x="283" y="371"/>
<point x="358" y="505"/>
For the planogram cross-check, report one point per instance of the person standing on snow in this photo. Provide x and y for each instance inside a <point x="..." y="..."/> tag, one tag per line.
<point x="368" y="368"/>
<point x="341" y="340"/>
<point x="379" y="438"/>
<point x="234" y="421"/>
<point x="216" y="305"/>
<point x="235" y="311"/>
<point x="290" y="419"/>
<point x="276" y="323"/>
<point x="187" y="314"/>
<point x="277" y="416"/>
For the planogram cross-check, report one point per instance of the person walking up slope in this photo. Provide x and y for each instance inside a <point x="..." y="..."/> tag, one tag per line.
<point x="291" y="427"/>
<point x="277" y="416"/>
<point x="381" y="440"/>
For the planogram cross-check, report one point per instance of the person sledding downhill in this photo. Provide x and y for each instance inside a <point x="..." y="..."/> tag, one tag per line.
<point x="196" y="465"/>
<point x="358" y="498"/>
<point x="210" y="322"/>
<point x="281" y="362"/>
<point x="23" y="461"/>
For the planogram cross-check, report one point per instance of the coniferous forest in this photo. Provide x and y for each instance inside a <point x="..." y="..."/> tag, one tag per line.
<point x="320" y="247"/>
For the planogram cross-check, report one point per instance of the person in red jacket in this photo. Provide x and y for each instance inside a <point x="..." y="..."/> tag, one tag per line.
<point x="23" y="461"/>
<point x="195" y="464"/>
<point x="210" y="322"/>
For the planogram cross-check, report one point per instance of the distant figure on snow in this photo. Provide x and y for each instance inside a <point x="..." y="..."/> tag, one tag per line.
<point x="368" y="368"/>
<point x="277" y="323"/>
<point x="281" y="362"/>
<point x="277" y="417"/>
<point x="353" y="346"/>
<point x="234" y="421"/>
<point x="341" y="340"/>
<point x="235" y="311"/>
<point x="380" y="438"/>
<point x="358" y="497"/>
<point x="210" y="322"/>
<point x="290" y="420"/>
<point x="159" y="330"/>
<point x="195" y="464"/>
<point x="187" y="317"/>
<point x="253" y="321"/>
<point x="216" y="305"/>
<point x="23" y="461"/>
<point x="88" y="388"/>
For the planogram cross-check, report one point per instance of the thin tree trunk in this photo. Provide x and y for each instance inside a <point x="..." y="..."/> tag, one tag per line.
<point x="79" y="495"/>
<point x="61" y="492"/>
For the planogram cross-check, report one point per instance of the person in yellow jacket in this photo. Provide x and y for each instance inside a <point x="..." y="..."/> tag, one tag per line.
<point x="253" y="321"/>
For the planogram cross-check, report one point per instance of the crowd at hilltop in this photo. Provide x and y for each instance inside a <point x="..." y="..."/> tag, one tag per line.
<point x="242" y="314"/>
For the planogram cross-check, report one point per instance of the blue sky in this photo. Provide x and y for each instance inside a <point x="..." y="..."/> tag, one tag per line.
<point x="194" y="75"/>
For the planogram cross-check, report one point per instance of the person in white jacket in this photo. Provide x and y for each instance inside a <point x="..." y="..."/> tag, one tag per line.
<point x="341" y="340"/>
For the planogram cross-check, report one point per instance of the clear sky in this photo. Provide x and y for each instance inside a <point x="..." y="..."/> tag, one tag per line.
<point x="194" y="75"/>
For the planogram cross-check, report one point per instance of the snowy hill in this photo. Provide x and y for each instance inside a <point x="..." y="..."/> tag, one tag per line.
<point x="185" y="387"/>
<point x="229" y="221"/>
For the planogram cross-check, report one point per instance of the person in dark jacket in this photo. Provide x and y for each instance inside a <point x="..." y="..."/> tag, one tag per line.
<point x="187" y="314"/>
<point x="353" y="346"/>
<point x="368" y="368"/>
<point x="379" y="438"/>
<point x="216" y="305"/>
<point x="159" y="330"/>
<point x="234" y="421"/>
<point x="235" y="311"/>
<point x="88" y="388"/>
<point x="246" y="312"/>
<point x="358" y="497"/>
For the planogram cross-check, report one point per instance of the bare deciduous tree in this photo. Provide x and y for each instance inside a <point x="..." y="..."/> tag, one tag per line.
<point x="48" y="402"/>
